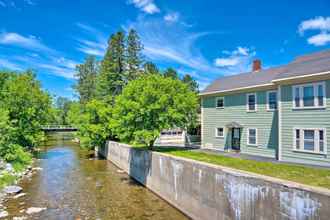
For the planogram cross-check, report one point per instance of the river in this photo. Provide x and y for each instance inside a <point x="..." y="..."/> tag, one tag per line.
<point x="73" y="184"/>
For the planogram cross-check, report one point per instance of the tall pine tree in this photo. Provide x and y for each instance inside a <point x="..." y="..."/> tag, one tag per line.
<point x="112" y="73"/>
<point x="134" y="55"/>
<point x="87" y="74"/>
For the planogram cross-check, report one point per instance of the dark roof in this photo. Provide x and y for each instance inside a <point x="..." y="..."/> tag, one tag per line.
<point x="303" y="65"/>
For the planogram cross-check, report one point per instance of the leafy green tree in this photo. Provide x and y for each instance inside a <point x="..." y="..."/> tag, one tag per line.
<point x="150" y="68"/>
<point x="62" y="106"/>
<point x="151" y="104"/>
<point x="112" y="72"/>
<point x="171" y="73"/>
<point x="134" y="55"/>
<point x="28" y="107"/>
<point x="86" y="74"/>
<point x="192" y="84"/>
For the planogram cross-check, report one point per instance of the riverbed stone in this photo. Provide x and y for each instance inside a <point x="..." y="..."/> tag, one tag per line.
<point x="9" y="168"/>
<point x="3" y="214"/>
<point x="33" y="210"/>
<point x="12" y="189"/>
<point x="19" y="195"/>
<point x="37" y="169"/>
<point x="20" y="218"/>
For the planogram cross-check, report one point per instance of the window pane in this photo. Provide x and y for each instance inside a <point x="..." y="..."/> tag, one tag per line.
<point x="252" y="132"/>
<point x="220" y="132"/>
<point x="297" y="134"/>
<point x="272" y="99"/>
<point x="297" y="144"/>
<point x="309" y="134"/>
<point x="297" y="97"/>
<point x="309" y="145"/>
<point x="251" y="102"/>
<point x="320" y="95"/>
<point x="220" y="103"/>
<point x="321" y="135"/>
<point x="309" y="96"/>
<point x="252" y="140"/>
<point x="321" y="140"/>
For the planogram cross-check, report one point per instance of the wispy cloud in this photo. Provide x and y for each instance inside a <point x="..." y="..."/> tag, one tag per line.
<point x="27" y="42"/>
<point x="171" y="17"/>
<point x="37" y="56"/>
<point x="147" y="6"/>
<point x="321" y="24"/>
<point x="236" y="61"/>
<point x="30" y="2"/>
<point x="96" y="43"/>
<point x="3" y="4"/>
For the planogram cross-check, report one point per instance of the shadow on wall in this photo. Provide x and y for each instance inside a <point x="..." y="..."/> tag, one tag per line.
<point x="140" y="164"/>
<point x="273" y="137"/>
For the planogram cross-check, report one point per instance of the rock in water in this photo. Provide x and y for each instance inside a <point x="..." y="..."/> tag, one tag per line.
<point x="3" y="214"/>
<point x="19" y="195"/>
<point x="20" y="218"/>
<point x="12" y="189"/>
<point x="33" y="210"/>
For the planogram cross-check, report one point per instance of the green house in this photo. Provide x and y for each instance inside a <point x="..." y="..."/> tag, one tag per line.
<point x="281" y="112"/>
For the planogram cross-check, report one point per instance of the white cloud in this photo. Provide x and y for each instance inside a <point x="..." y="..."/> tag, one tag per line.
<point x="321" y="24"/>
<point x="6" y="64"/>
<point x="319" y="39"/>
<point x="318" y="23"/>
<point x="30" y="42"/>
<point x="147" y="6"/>
<point x="171" y="17"/>
<point x="236" y="61"/>
<point x="95" y="45"/>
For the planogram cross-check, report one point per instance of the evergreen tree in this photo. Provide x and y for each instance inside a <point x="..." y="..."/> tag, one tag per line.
<point x="171" y="73"/>
<point x="134" y="56"/>
<point x="112" y="72"/>
<point x="150" y="68"/>
<point x="192" y="84"/>
<point x="86" y="74"/>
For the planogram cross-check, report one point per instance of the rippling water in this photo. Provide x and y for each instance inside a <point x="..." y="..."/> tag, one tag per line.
<point x="75" y="185"/>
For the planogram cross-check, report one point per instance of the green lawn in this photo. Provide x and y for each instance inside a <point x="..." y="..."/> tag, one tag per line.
<point x="300" y="174"/>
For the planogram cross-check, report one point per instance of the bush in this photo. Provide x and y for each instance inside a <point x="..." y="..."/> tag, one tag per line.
<point x="15" y="153"/>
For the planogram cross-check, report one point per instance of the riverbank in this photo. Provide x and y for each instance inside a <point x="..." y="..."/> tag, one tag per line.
<point x="206" y="191"/>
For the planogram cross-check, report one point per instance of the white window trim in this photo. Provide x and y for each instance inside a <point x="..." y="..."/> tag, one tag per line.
<point x="267" y="100"/>
<point x="301" y="95"/>
<point x="316" y="140"/>
<point x="216" y="132"/>
<point x="247" y="102"/>
<point x="248" y="137"/>
<point x="216" y="102"/>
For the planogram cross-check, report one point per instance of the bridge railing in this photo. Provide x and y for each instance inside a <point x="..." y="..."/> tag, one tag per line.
<point x="58" y="127"/>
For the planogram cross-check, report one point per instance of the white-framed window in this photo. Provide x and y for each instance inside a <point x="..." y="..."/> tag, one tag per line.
<point x="252" y="136"/>
<point x="310" y="140"/>
<point x="219" y="132"/>
<point x="271" y="100"/>
<point x="311" y="95"/>
<point x="251" y="102"/>
<point x="220" y="102"/>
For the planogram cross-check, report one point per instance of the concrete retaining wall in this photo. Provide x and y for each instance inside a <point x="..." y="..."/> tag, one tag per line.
<point x="205" y="191"/>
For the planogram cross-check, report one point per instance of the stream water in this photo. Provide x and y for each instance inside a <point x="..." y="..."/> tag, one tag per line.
<point x="73" y="184"/>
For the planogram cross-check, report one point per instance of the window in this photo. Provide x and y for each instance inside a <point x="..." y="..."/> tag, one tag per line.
<point x="310" y="140"/>
<point x="252" y="136"/>
<point x="309" y="95"/>
<point x="271" y="100"/>
<point x="220" y="102"/>
<point x="251" y="102"/>
<point x="219" y="132"/>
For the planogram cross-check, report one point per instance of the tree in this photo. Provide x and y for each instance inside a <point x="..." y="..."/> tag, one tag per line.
<point x="63" y="105"/>
<point x="112" y="72"/>
<point x="134" y="55"/>
<point x="86" y="74"/>
<point x="150" y="68"/>
<point x="151" y="104"/>
<point x="192" y="84"/>
<point x="28" y="107"/>
<point x="171" y="73"/>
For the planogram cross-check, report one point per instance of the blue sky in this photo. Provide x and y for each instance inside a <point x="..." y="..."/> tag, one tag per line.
<point x="206" y="39"/>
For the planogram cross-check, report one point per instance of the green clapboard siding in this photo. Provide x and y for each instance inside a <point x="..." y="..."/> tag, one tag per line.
<point x="265" y="121"/>
<point x="314" y="118"/>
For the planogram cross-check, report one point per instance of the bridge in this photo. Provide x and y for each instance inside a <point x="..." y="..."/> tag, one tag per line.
<point x="58" y="128"/>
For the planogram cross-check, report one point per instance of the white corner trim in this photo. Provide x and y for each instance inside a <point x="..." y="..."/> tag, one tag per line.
<point x="279" y="107"/>
<point x="202" y="122"/>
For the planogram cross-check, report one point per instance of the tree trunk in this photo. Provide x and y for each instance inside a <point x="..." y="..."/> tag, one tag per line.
<point x="151" y="145"/>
